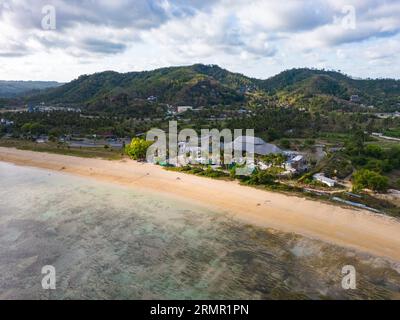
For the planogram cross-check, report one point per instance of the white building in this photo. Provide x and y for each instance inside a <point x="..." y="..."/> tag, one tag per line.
<point x="325" y="180"/>
<point x="355" y="98"/>
<point x="6" y="122"/>
<point x="182" y="109"/>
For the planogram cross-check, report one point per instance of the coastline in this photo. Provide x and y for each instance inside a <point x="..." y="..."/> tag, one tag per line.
<point x="355" y="229"/>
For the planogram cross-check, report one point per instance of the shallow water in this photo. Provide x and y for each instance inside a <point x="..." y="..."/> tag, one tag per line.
<point x="113" y="242"/>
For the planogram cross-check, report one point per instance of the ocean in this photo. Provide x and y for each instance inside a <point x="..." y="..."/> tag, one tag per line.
<point x="107" y="241"/>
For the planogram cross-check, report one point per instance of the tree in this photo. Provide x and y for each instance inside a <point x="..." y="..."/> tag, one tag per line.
<point x="33" y="128"/>
<point x="137" y="149"/>
<point x="369" y="179"/>
<point x="374" y="151"/>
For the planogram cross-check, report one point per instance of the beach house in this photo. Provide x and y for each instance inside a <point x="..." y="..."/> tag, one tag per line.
<point x="325" y="180"/>
<point x="297" y="164"/>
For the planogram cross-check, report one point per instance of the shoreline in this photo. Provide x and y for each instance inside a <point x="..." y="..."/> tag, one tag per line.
<point x="350" y="228"/>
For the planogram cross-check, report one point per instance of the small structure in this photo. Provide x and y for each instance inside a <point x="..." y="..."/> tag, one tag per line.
<point x="152" y="99"/>
<point x="355" y="98"/>
<point x="388" y="115"/>
<point x="42" y="139"/>
<point x="6" y="122"/>
<point x="296" y="164"/>
<point x="182" y="109"/>
<point x="325" y="180"/>
<point x="263" y="166"/>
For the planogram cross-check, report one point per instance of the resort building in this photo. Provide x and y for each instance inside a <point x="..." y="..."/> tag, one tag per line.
<point x="254" y="144"/>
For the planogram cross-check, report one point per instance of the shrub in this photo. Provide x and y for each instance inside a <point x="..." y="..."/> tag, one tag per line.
<point x="369" y="179"/>
<point x="374" y="151"/>
<point x="261" y="178"/>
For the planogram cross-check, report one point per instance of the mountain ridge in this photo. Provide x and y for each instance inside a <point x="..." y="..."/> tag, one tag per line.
<point x="200" y="85"/>
<point x="14" y="88"/>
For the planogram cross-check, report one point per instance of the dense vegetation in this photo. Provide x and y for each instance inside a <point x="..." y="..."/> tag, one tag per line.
<point x="365" y="178"/>
<point x="206" y="85"/>
<point x="182" y="86"/>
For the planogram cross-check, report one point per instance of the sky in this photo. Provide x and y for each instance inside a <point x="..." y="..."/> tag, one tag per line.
<point x="63" y="39"/>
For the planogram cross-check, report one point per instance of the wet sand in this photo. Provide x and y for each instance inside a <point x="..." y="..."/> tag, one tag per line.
<point x="356" y="229"/>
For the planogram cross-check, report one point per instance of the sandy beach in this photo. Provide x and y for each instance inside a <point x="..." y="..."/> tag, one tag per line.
<point x="356" y="229"/>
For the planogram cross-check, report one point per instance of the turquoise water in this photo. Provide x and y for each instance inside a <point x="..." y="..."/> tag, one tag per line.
<point x="112" y="242"/>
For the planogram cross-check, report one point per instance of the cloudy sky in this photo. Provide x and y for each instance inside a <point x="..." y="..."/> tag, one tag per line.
<point x="259" y="38"/>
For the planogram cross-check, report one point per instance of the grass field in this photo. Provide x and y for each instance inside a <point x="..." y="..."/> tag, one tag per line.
<point x="52" y="147"/>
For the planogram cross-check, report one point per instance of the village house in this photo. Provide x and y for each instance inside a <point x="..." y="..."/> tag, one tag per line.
<point x="297" y="164"/>
<point x="152" y="99"/>
<point x="325" y="180"/>
<point x="6" y="122"/>
<point x="355" y="98"/>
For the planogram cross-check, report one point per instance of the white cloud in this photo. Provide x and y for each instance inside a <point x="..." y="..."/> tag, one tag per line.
<point x="252" y="36"/>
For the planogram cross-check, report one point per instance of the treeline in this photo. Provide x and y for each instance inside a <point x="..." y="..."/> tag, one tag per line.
<point x="65" y="123"/>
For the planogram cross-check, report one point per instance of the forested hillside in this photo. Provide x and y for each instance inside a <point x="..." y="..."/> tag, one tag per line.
<point x="205" y="85"/>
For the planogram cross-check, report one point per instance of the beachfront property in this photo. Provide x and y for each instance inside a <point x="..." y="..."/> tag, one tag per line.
<point x="325" y="180"/>
<point x="245" y="144"/>
<point x="295" y="162"/>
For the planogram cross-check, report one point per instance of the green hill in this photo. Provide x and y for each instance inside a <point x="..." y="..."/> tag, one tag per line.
<point x="194" y="85"/>
<point x="199" y="85"/>
<point x="306" y="86"/>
